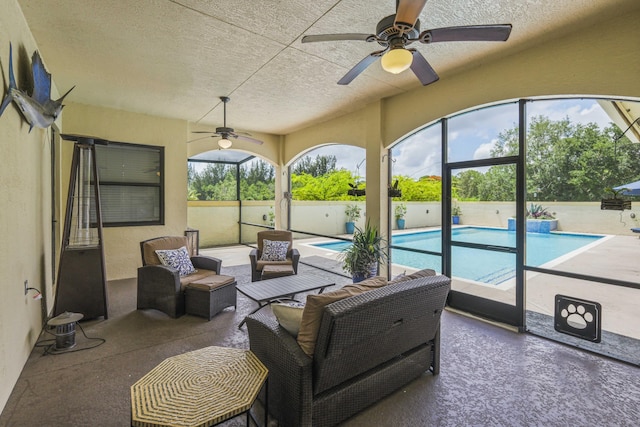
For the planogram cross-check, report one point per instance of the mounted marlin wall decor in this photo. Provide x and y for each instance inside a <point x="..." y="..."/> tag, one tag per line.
<point x="39" y="109"/>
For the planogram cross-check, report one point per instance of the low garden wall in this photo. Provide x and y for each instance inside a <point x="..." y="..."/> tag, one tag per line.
<point x="218" y="221"/>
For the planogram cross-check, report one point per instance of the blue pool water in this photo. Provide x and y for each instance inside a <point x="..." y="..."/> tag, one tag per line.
<point x="480" y="265"/>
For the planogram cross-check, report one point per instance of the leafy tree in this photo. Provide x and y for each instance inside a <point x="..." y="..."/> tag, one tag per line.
<point x="208" y="184"/>
<point x="260" y="171"/>
<point x="549" y="149"/>
<point x="565" y="161"/>
<point x="498" y="184"/>
<point x="424" y="189"/>
<point x="331" y="186"/>
<point x="601" y="165"/>
<point x="469" y="184"/>
<point x="217" y="181"/>
<point x="257" y="182"/>
<point x="319" y="166"/>
<point x="257" y="191"/>
<point x="192" y="194"/>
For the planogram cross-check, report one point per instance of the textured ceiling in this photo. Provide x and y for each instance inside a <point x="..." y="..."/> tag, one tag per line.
<point x="176" y="58"/>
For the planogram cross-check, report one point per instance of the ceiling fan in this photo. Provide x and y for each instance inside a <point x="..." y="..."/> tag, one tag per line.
<point x="225" y="132"/>
<point x="395" y="32"/>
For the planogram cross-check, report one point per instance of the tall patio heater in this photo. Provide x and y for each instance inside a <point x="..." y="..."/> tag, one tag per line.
<point x="82" y="285"/>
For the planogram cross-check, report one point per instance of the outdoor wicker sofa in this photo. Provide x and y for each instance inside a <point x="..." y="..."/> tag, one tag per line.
<point x="368" y="346"/>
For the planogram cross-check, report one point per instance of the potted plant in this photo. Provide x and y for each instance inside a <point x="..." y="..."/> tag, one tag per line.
<point x="455" y="214"/>
<point x="400" y="211"/>
<point x="615" y="204"/>
<point x="366" y="252"/>
<point x="539" y="220"/>
<point x="272" y="216"/>
<point x="353" y="214"/>
<point x="394" y="191"/>
<point x="355" y="191"/>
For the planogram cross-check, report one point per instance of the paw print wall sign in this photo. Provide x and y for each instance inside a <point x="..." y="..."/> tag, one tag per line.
<point x="578" y="317"/>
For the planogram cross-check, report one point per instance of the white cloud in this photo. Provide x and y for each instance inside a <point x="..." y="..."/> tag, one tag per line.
<point x="347" y="156"/>
<point x="472" y="135"/>
<point x="577" y="110"/>
<point x="484" y="150"/>
<point x="419" y="154"/>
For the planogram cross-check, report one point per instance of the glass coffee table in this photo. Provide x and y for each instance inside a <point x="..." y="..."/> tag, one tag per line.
<point x="268" y="291"/>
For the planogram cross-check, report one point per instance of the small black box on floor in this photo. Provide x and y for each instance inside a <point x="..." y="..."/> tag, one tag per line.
<point x="578" y="317"/>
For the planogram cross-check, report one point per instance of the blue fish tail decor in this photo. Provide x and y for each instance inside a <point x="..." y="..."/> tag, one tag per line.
<point x="39" y="109"/>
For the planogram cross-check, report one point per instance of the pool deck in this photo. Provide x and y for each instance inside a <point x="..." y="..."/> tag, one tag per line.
<point x="615" y="257"/>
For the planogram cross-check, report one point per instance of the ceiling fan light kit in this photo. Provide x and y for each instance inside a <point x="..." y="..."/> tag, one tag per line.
<point x="396" y="61"/>
<point x="224" y="143"/>
<point x="225" y="132"/>
<point x="395" y="32"/>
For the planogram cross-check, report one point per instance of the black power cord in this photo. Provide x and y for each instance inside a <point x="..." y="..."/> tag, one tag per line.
<point x="49" y="344"/>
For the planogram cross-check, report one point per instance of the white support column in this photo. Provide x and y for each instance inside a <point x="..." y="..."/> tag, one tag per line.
<point x="281" y="185"/>
<point x="376" y="208"/>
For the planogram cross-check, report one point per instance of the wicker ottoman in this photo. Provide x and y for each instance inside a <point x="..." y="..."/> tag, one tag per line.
<point x="209" y="296"/>
<point x="277" y="270"/>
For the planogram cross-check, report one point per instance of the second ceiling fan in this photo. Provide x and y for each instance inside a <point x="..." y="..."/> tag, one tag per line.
<point x="225" y="132"/>
<point x="395" y="32"/>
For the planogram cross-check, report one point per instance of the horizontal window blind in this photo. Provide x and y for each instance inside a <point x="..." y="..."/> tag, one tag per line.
<point x="131" y="184"/>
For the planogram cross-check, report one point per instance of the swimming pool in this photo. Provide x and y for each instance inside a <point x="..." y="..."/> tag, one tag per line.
<point x="480" y="265"/>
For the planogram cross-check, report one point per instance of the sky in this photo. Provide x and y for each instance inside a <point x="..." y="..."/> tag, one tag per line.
<point x="472" y="135"/>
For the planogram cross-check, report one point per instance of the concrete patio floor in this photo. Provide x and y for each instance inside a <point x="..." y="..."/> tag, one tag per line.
<point x="614" y="257"/>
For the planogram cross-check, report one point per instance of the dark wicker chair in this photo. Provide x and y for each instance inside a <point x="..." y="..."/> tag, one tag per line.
<point x="162" y="288"/>
<point x="257" y="265"/>
<point x="368" y="346"/>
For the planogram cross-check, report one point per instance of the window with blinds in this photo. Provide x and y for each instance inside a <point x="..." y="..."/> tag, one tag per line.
<point x="131" y="184"/>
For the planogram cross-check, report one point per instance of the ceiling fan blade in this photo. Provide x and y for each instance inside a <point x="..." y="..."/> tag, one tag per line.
<point x="247" y="138"/>
<point x="202" y="137"/>
<point x="202" y="131"/>
<point x="422" y="69"/>
<point x="338" y="37"/>
<point x="359" y="68"/>
<point x="407" y="13"/>
<point x="470" y="33"/>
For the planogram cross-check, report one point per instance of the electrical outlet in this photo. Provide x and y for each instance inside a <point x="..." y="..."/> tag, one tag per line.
<point x="26" y="287"/>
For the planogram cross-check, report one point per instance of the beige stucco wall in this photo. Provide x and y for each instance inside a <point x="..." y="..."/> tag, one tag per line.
<point x="217" y="221"/>
<point x="586" y="62"/>
<point x="122" y="244"/>
<point x="573" y="217"/>
<point x="583" y="62"/>
<point x="25" y="211"/>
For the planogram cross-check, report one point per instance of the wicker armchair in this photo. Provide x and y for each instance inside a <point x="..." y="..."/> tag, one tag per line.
<point x="162" y="288"/>
<point x="257" y="264"/>
<point x="368" y="346"/>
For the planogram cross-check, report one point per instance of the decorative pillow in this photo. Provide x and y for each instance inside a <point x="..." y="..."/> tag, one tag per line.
<point x="274" y="250"/>
<point x="399" y="277"/>
<point x="418" y="274"/>
<point x="178" y="259"/>
<point x="289" y="315"/>
<point x="312" y="314"/>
